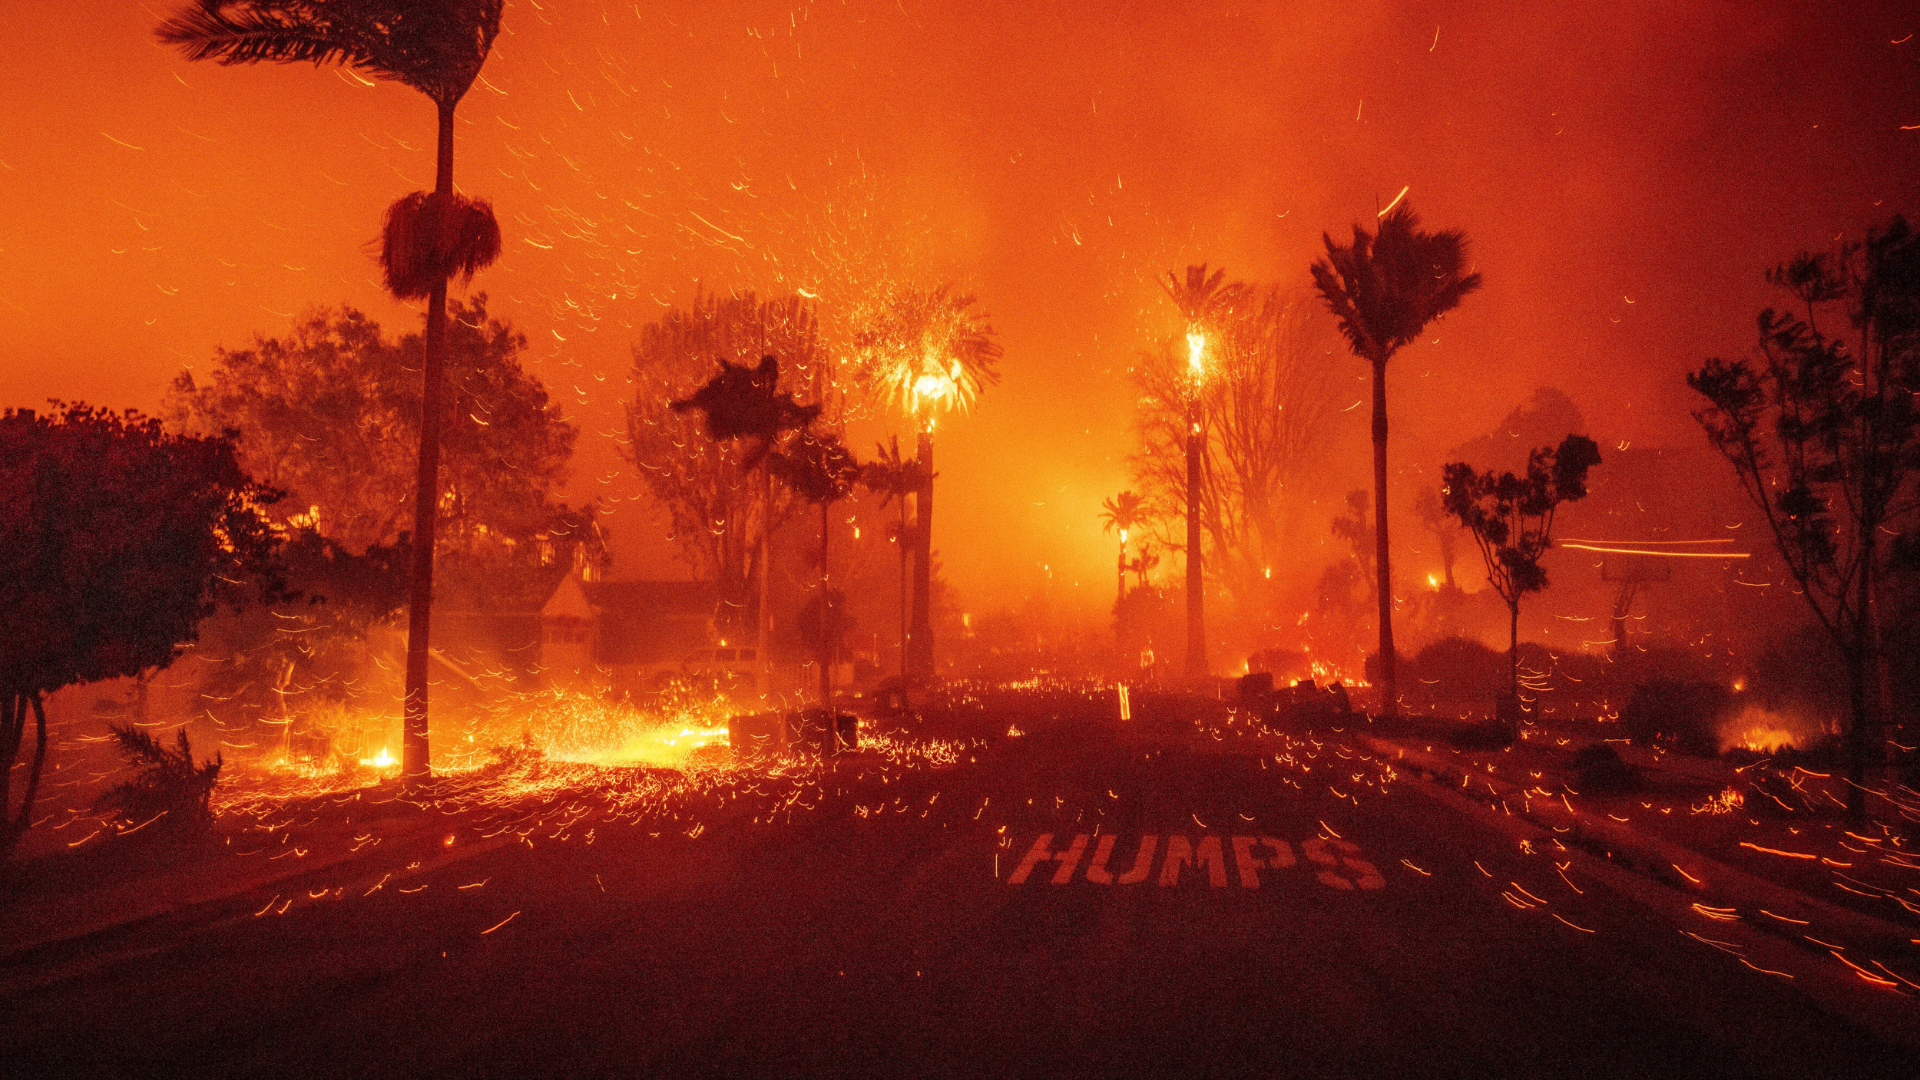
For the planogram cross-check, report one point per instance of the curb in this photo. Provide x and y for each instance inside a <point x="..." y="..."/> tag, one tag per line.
<point x="14" y="955"/>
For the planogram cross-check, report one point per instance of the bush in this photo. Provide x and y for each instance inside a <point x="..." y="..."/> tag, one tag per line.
<point x="1598" y="768"/>
<point x="170" y="791"/>
<point x="1683" y="715"/>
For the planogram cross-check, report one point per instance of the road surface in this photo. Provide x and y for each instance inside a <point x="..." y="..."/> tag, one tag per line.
<point x="1088" y="898"/>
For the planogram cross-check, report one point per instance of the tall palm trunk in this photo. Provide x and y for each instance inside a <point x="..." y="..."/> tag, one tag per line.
<point x="414" y="757"/>
<point x="760" y="618"/>
<point x="920" y="638"/>
<point x="826" y="626"/>
<point x="1196" y="575"/>
<point x="1389" y="696"/>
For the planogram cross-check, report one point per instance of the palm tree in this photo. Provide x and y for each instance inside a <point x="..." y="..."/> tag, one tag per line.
<point x="1385" y="289"/>
<point x="927" y="353"/>
<point x="1143" y="565"/>
<point x="436" y="47"/>
<point x="1122" y="513"/>
<point x="741" y="402"/>
<point x="1202" y="298"/>
<point x="820" y="469"/>
<point x="895" y="478"/>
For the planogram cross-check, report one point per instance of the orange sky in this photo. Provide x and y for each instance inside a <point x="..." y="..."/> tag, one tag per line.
<point x="1623" y="171"/>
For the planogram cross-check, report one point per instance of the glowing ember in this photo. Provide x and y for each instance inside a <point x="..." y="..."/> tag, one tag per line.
<point x="670" y="745"/>
<point x="1764" y="731"/>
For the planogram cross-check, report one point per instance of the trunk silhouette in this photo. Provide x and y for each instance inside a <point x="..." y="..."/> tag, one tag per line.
<point x="413" y="724"/>
<point x="1383" y="573"/>
<point x="1196" y="576"/>
<point x="920" y="636"/>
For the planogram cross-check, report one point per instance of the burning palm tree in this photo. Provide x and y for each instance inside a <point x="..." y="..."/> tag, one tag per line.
<point x="1121" y="513"/>
<point x="895" y="478"/>
<point x="1385" y="288"/>
<point x="436" y="47"/>
<point x="927" y="353"/>
<point x="1202" y="299"/>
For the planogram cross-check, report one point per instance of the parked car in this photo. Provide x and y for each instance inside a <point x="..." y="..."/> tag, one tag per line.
<point x="725" y="667"/>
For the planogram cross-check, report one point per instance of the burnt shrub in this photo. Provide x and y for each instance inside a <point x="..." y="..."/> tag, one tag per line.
<point x="1450" y="676"/>
<point x="1684" y="716"/>
<point x="1599" y="768"/>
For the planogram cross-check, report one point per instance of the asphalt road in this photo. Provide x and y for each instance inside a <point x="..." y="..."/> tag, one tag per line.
<point x="1298" y="912"/>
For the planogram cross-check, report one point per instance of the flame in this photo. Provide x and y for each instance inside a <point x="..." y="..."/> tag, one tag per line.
<point x="1196" y="352"/>
<point x="382" y="760"/>
<point x="671" y="745"/>
<point x="1765" y="731"/>
<point x="925" y="387"/>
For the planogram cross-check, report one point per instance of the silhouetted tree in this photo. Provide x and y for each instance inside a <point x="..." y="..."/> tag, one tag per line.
<point x="894" y="477"/>
<point x="116" y="540"/>
<point x="1266" y="410"/>
<point x="329" y="414"/>
<point x="1511" y="518"/>
<point x="717" y="495"/>
<point x="436" y="47"/>
<point x="1142" y="566"/>
<point x="1824" y="435"/>
<point x="1427" y="507"/>
<point x="1122" y="514"/>
<point x="924" y="353"/>
<point x="821" y="470"/>
<point x="1201" y="298"/>
<point x="1385" y="288"/>
<point x="1352" y="528"/>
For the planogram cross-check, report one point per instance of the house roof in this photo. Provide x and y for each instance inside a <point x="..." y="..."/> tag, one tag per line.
<point x="639" y="622"/>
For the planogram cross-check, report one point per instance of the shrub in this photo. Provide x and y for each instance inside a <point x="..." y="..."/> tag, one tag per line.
<point x="1598" y="768"/>
<point x="170" y="787"/>
<point x="1683" y="715"/>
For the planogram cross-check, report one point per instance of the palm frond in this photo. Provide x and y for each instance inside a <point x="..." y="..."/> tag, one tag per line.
<point x="425" y="242"/>
<point x="1385" y="287"/>
<point x="435" y="46"/>
<point x="927" y="346"/>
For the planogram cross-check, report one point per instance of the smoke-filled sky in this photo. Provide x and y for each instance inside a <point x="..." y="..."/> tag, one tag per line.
<point x="1624" y="171"/>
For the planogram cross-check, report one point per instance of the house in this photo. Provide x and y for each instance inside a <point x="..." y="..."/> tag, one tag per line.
<point x="607" y="635"/>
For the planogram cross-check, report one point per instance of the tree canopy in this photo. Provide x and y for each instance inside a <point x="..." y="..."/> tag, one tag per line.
<point x="117" y="539"/>
<point x="330" y="413"/>
<point x="1267" y="408"/>
<point x="1822" y="430"/>
<point x="927" y="350"/>
<point x="1511" y="519"/>
<point x="434" y="46"/>
<point x="1386" y="286"/>
<point x="704" y="482"/>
